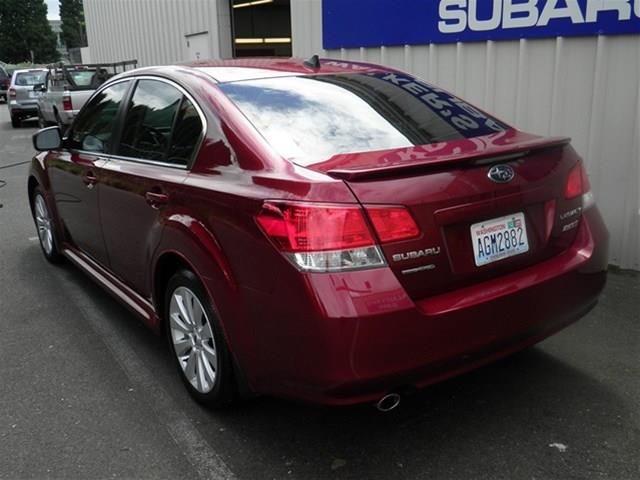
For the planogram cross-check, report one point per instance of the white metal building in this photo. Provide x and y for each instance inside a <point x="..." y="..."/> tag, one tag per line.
<point x="586" y="87"/>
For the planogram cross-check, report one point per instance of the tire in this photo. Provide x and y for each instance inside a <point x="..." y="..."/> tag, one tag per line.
<point x="16" y="122"/>
<point x="197" y="343"/>
<point x="45" y="227"/>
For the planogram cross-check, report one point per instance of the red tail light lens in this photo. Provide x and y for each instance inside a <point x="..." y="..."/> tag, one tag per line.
<point x="393" y="223"/>
<point x="577" y="182"/>
<point x="67" y="104"/>
<point x="321" y="238"/>
<point x="12" y="93"/>
<point x="310" y="228"/>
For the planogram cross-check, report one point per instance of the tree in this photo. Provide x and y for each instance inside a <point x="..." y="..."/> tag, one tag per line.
<point x="25" y="33"/>
<point x="74" y="33"/>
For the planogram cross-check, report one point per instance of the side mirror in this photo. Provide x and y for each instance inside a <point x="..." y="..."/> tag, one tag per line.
<point x="47" y="139"/>
<point x="40" y="87"/>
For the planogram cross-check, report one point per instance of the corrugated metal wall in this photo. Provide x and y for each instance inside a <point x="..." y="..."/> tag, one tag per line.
<point x="586" y="88"/>
<point x="153" y="31"/>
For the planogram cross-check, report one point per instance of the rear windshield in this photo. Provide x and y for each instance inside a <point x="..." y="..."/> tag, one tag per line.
<point x="79" y="79"/>
<point x="312" y="118"/>
<point x="82" y="78"/>
<point x="29" y="79"/>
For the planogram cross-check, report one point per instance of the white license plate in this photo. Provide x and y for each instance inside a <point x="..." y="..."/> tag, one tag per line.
<point x="499" y="238"/>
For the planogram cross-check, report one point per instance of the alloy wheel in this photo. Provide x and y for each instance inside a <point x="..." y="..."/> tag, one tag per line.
<point x="43" y="223"/>
<point x="193" y="342"/>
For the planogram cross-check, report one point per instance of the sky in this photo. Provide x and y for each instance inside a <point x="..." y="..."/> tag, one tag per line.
<point x="53" y="10"/>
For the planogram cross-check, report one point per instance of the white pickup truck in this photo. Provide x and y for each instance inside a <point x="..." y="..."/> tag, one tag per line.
<point x="68" y="87"/>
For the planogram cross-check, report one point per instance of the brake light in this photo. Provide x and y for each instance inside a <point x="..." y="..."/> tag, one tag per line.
<point x="578" y="185"/>
<point x="12" y="93"/>
<point x="393" y="223"/>
<point x="321" y="238"/>
<point x="577" y="182"/>
<point x="324" y="238"/>
<point x="67" y="105"/>
<point x="304" y="227"/>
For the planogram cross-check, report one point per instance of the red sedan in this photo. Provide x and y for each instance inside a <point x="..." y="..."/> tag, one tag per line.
<point x="329" y="231"/>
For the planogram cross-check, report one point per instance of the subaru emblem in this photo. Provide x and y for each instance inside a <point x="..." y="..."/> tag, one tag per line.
<point x="501" y="173"/>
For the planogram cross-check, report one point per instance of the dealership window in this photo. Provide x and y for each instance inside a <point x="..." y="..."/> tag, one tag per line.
<point x="261" y="28"/>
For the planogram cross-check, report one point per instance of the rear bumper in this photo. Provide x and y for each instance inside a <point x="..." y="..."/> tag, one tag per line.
<point x="371" y="338"/>
<point x="22" y="109"/>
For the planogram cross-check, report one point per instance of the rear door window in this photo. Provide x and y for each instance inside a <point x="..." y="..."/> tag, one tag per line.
<point x="149" y="121"/>
<point x="186" y="135"/>
<point x="161" y="125"/>
<point x="94" y="128"/>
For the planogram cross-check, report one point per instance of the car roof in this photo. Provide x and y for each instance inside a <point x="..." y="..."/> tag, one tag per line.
<point x="257" y="68"/>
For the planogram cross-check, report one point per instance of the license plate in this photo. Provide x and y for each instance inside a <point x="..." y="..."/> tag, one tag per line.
<point x="33" y="94"/>
<point x="499" y="238"/>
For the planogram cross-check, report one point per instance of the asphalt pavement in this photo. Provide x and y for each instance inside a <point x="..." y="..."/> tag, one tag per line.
<point x="86" y="391"/>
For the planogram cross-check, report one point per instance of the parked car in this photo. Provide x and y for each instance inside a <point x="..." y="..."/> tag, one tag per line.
<point x="23" y="99"/>
<point x="328" y="231"/>
<point x="62" y="96"/>
<point x="67" y="88"/>
<point x="5" y="82"/>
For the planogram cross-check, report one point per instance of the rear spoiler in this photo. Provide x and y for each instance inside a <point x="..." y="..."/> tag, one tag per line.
<point x="403" y="161"/>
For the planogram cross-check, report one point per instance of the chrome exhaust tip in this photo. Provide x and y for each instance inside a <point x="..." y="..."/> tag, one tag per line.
<point x="388" y="402"/>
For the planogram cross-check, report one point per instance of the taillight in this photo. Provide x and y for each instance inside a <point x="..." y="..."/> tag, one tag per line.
<point x="329" y="238"/>
<point x="12" y="93"/>
<point x="577" y="182"/>
<point x="67" y="105"/>
<point x="321" y="238"/>
<point x="393" y="223"/>
<point x="578" y="185"/>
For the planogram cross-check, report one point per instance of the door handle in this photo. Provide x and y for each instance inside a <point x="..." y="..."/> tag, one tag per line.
<point x="90" y="180"/>
<point x="156" y="200"/>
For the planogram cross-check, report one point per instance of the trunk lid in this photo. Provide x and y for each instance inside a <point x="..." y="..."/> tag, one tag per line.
<point x="447" y="189"/>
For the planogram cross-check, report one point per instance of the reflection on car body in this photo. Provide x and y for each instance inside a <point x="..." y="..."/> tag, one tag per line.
<point x="326" y="234"/>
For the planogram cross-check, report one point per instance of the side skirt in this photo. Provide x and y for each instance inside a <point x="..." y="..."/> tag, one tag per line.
<point x="124" y="294"/>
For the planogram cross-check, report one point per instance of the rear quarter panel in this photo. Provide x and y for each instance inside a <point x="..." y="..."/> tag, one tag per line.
<point x="212" y="223"/>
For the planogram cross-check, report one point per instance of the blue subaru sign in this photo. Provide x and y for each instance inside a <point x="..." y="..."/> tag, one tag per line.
<point x="371" y="23"/>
